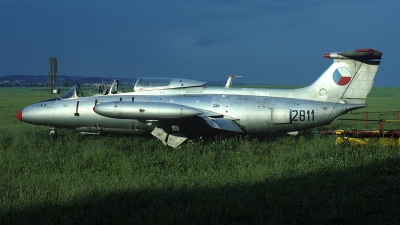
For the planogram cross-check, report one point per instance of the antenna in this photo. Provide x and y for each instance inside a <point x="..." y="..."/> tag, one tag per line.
<point x="229" y="81"/>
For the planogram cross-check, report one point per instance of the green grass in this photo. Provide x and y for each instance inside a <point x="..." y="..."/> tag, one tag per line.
<point x="75" y="179"/>
<point x="382" y="103"/>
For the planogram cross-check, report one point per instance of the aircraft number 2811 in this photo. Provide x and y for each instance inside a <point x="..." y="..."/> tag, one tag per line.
<point x="303" y="115"/>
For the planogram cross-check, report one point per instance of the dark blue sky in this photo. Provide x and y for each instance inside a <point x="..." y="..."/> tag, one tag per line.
<point x="265" y="41"/>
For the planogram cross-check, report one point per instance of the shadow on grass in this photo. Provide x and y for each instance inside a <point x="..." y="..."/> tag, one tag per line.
<point x="363" y="195"/>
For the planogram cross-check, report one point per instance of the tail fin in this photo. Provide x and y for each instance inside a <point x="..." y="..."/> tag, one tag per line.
<point x="349" y="78"/>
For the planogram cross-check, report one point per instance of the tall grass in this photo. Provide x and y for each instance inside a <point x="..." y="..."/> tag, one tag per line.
<point x="72" y="178"/>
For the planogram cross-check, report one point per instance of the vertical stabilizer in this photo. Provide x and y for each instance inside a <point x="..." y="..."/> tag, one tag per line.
<point x="349" y="78"/>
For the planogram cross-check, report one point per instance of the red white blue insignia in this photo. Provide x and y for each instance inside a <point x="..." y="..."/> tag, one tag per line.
<point x="342" y="76"/>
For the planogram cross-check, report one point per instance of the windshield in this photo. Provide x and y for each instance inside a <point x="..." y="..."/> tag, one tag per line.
<point x="73" y="92"/>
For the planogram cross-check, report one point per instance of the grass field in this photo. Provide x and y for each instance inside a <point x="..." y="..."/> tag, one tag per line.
<point x="75" y="179"/>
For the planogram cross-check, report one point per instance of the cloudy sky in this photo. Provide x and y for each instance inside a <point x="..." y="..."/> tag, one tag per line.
<point x="265" y="41"/>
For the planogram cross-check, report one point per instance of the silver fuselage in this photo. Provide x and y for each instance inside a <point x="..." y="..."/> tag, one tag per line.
<point x="252" y="109"/>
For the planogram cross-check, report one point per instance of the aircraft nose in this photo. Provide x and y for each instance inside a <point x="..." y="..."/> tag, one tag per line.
<point x="19" y="115"/>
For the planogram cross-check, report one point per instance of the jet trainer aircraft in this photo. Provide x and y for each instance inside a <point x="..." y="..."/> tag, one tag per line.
<point x="169" y="108"/>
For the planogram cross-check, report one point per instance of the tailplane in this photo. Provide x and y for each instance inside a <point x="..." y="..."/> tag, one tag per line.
<point x="349" y="78"/>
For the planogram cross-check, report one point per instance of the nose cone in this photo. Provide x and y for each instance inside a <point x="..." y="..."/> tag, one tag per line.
<point x="19" y="115"/>
<point x="40" y="113"/>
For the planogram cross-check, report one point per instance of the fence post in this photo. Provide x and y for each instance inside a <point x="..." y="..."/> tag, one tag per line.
<point x="366" y="119"/>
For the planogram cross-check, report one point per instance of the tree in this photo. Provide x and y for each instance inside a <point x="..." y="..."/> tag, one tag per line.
<point x="53" y="73"/>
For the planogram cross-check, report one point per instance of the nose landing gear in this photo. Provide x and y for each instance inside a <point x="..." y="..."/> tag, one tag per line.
<point x="52" y="131"/>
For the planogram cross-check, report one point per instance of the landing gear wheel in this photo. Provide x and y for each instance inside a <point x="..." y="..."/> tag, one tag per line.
<point x="52" y="131"/>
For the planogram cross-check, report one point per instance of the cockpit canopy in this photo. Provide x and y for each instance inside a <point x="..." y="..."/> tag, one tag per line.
<point x="160" y="83"/>
<point x="73" y="92"/>
<point x="105" y="89"/>
<point x="142" y="84"/>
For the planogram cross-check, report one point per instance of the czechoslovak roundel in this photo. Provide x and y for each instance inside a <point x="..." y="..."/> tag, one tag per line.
<point x="341" y="76"/>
